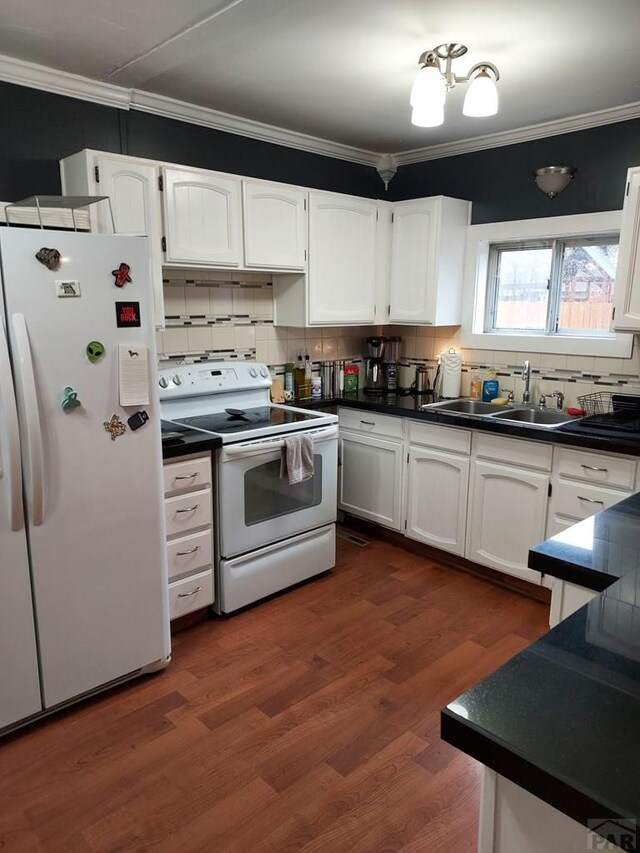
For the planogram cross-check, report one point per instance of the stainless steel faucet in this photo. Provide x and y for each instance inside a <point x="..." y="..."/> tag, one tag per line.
<point x="559" y="399"/>
<point x="526" y="378"/>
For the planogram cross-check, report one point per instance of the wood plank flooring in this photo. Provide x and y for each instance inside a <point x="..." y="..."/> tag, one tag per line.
<point x="307" y="723"/>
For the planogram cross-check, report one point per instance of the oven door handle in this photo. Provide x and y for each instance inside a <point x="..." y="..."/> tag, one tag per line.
<point x="259" y="446"/>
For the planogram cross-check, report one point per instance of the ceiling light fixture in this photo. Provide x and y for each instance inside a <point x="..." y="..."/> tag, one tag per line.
<point x="553" y="179"/>
<point x="435" y="78"/>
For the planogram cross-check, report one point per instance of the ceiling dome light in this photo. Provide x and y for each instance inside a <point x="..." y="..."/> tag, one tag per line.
<point x="553" y="179"/>
<point x="431" y="116"/>
<point x="482" y="95"/>
<point x="428" y="88"/>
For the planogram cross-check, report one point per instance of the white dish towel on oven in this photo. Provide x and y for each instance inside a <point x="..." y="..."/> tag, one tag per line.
<point x="296" y="462"/>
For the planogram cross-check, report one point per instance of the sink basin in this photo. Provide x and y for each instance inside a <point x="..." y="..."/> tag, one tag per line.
<point x="537" y="417"/>
<point x="463" y="407"/>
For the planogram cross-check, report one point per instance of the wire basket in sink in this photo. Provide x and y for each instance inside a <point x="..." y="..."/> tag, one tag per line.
<point x="611" y="409"/>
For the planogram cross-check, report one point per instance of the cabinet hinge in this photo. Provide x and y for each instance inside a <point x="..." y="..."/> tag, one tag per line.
<point x="96" y="174"/>
<point x="160" y="183"/>
<point x="628" y="185"/>
<point x="388" y="310"/>
<point x="407" y="458"/>
<point x="376" y="215"/>
<point x="613" y="314"/>
<point x="405" y="524"/>
<point x="305" y="204"/>
<point x="164" y="244"/>
<point x="305" y="254"/>
<point x="549" y="490"/>
<point x="392" y="216"/>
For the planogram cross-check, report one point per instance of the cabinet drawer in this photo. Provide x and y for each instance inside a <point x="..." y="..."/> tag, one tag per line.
<point x="581" y="500"/>
<point x="190" y="594"/>
<point x="189" y="553"/>
<point x="440" y="437"/>
<point x="596" y="468"/>
<point x="193" y="473"/>
<point x="370" y="422"/>
<point x="514" y="451"/>
<point x="188" y="512"/>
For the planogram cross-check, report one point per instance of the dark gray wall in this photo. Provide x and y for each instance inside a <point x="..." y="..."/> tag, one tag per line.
<point x="38" y="128"/>
<point x="499" y="181"/>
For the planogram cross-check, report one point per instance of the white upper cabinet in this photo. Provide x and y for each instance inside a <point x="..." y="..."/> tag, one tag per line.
<point x="275" y="226"/>
<point x="427" y="258"/>
<point x="342" y="259"/>
<point x="626" y="292"/>
<point x="202" y="218"/>
<point x="132" y="185"/>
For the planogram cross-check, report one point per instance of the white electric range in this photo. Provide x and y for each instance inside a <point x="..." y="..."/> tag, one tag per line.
<point x="269" y="534"/>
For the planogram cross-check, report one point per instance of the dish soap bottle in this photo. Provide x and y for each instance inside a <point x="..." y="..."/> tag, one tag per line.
<point x="490" y="387"/>
<point x="475" y="386"/>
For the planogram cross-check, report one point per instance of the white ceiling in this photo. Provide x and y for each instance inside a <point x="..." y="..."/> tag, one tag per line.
<point x="341" y="70"/>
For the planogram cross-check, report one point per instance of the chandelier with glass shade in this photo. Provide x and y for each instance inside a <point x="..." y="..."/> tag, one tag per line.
<point x="435" y="78"/>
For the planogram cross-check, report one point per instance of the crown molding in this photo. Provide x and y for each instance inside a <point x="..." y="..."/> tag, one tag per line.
<point x="74" y="86"/>
<point x="192" y="113"/>
<point x="520" y="134"/>
<point x="62" y="83"/>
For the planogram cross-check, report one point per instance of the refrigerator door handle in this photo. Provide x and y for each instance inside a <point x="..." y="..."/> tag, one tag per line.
<point x="27" y="379"/>
<point x="13" y="466"/>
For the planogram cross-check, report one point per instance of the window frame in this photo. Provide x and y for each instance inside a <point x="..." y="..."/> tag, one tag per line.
<point x="558" y="246"/>
<point x="480" y="237"/>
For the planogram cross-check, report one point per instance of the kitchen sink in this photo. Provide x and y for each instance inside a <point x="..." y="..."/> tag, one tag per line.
<point x="537" y="417"/>
<point x="462" y="407"/>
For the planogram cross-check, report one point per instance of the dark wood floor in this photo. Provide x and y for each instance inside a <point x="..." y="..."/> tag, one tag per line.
<point x="308" y="723"/>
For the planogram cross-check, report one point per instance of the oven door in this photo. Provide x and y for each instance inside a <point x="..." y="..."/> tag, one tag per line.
<point x="256" y="507"/>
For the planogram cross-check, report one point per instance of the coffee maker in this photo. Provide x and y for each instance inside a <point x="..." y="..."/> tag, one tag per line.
<point x="375" y="381"/>
<point x="391" y="356"/>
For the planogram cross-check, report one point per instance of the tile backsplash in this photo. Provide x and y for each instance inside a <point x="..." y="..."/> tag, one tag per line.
<point x="226" y="315"/>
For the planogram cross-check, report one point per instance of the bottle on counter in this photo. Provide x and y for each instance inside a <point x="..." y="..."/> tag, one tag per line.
<point x="289" y="387"/>
<point x="490" y="387"/>
<point x="475" y="386"/>
<point x="298" y="377"/>
<point x="306" y="385"/>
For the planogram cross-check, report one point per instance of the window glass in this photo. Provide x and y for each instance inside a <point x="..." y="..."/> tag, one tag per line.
<point x="586" y="287"/>
<point x="522" y="290"/>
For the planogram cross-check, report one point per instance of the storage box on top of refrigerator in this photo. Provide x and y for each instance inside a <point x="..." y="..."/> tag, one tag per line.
<point x="83" y="592"/>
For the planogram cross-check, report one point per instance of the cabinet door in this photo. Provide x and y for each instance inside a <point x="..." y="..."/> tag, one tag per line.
<point x="274" y="226"/>
<point x="132" y="187"/>
<point x="370" y="478"/>
<point x="507" y="516"/>
<point x="437" y="499"/>
<point x="342" y="252"/>
<point x="202" y="218"/>
<point x="413" y="262"/>
<point x="626" y="292"/>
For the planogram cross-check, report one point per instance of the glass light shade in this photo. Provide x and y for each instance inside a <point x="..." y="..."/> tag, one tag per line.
<point x="553" y="179"/>
<point x="428" y="117"/>
<point x="429" y="87"/>
<point x="482" y="97"/>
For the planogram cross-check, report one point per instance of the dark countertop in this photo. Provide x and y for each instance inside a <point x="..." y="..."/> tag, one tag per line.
<point x="561" y="719"/>
<point x="408" y="406"/>
<point x="595" y="552"/>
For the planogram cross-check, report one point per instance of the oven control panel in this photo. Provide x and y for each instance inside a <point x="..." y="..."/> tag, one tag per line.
<point x="211" y="377"/>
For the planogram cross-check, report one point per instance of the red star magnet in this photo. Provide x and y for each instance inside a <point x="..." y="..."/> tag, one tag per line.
<point x="121" y="275"/>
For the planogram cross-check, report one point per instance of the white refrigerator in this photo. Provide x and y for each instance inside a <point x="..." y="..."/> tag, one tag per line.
<point x="83" y="577"/>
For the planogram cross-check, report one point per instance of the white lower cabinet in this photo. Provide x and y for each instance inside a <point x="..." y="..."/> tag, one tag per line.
<point x="370" y="478"/>
<point x="189" y="520"/>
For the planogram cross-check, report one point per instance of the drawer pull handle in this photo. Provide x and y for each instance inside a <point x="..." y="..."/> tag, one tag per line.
<point x="185" y="476"/>
<point x="368" y="423"/>
<point x="187" y="594"/>
<point x="590" y="500"/>
<point x="593" y="468"/>
<point x="186" y="553"/>
<point x="189" y="508"/>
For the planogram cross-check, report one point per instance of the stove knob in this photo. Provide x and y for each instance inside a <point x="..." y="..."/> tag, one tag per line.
<point x="177" y="380"/>
<point x="264" y="372"/>
<point x="253" y="372"/>
<point x="162" y="382"/>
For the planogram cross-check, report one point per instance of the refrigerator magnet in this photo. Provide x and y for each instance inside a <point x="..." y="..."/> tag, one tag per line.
<point x="114" y="427"/>
<point x="121" y="275"/>
<point x="127" y="314"/>
<point x="70" y="399"/>
<point x="95" y="351"/>
<point x="68" y="288"/>
<point x="137" y="420"/>
<point x="49" y="257"/>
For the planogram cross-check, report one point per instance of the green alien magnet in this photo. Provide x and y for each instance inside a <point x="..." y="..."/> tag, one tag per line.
<point x="95" y="351"/>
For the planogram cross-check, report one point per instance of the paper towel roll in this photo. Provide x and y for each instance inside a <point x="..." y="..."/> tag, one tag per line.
<point x="451" y="374"/>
